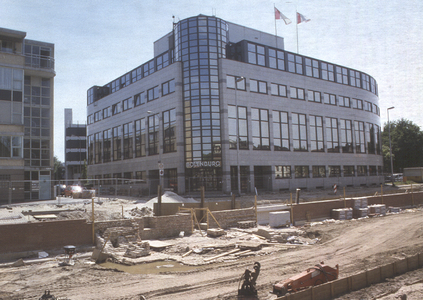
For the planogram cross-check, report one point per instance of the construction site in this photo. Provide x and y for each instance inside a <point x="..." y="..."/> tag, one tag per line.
<point x="360" y="243"/>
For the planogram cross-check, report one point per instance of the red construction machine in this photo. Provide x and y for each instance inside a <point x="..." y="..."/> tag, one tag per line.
<point x="313" y="276"/>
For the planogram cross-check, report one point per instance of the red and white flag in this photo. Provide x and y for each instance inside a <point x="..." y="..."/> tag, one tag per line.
<point x="279" y="15"/>
<point x="301" y="18"/>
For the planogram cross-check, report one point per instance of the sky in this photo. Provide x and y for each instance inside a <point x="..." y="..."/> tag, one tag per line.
<point x="98" y="41"/>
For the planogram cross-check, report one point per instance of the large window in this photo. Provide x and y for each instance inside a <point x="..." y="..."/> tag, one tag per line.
<point x="344" y="101"/>
<point x="235" y="82"/>
<point x="346" y="136"/>
<point x="299" y="132"/>
<point x="319" y="171"/>
<point x="357" y="104"/>
<point x="349" y="171"/>
<point x="140" y="137"/>
<point x="10" y="146"/>
<point x="334" y="171"/>
<point x="107" y="112"/>
<point x="327" y="72"/>
<point x="301" y="172"/>
<point x="312" y="67"/>
<point x="280" y="131"/>
<point x="127" y="140"/>
<point x="238" y="121"/>
<point x="97" y="147"/>
<point x="341" y="75"/>
<point x="278" y="90"/>
<point x="258" y="86"/>
<point x="139" y="99"/>
<point x="297" y="93"/>
<point x="169" y="131"/>
<point x="260" y="121"/>
<point x="361" y="170"/>
<point x="153" y="93"/>
<point x="359" y="137"/>
<point x="168" y="87"/>
<point x="117" y="143"/>
<point x="116" y="108"/>
<point x="314" y="96"/>
<point x="316" y="134"/>
<point x="295" y="63"/>
<point x="378" y="145"/>
<point x="256" y="54"/>
<point x="332" y="134"/>
<point x="107" y="145"/>
<point x="370" y="138"/>
<point x="127" y="104"/>
<point x="282" y="172"/>
<point x="153" y="134"/>
<point x="276" y="59"/>
<point x="329" y="99"/>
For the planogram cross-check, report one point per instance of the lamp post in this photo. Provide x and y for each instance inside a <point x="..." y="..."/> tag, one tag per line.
<point x="390" y="147"/>
<point x="238" y="171"/>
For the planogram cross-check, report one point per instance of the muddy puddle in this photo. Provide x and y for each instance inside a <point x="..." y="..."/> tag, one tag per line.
<point x="150" y="268"/>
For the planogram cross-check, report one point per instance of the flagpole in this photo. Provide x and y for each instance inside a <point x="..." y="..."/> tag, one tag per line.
<point x="276" y="30"/>
<point x="296" y="26"/>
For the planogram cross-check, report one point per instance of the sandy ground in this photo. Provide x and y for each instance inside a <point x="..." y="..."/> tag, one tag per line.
<point x="355" y="245"/>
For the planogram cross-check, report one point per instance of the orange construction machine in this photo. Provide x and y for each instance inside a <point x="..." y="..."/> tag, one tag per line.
<point x="313" y="276"/>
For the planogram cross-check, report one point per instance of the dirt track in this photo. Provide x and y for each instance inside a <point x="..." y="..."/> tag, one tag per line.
<point x="354" y="245"/>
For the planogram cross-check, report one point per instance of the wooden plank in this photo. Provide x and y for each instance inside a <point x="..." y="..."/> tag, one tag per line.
<point x="221" y="255"/>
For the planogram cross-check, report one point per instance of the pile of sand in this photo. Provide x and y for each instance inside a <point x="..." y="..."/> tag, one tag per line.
<point x="170" y="197"/>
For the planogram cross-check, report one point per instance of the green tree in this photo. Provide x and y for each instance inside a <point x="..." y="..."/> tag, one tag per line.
<point x="59" y="169"/>
<point x="407" y="145"/>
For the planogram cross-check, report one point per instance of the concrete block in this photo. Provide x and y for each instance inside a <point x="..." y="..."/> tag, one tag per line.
<point x="215" y="232"/>
<point x="264" y="233"/>
<point x="279" y="218"/>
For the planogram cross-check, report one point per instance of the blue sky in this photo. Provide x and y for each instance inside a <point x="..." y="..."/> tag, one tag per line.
<point x="97" y="41"/>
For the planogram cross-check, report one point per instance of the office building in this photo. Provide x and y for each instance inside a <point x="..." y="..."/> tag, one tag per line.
<point x="75" y="148"/>
<point x="26" y="117"/>
<point x="226" y="107"/>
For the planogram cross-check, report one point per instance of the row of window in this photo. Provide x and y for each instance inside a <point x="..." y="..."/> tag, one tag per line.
<point x="298" y="64"/>
<point x="138" y="73"/>
<point x="151" y="94"/>
<point x="281" y="90"/>
<point x="300" y="132"/>
<point x="133" y="139"/>
<point x="286" y="172"/>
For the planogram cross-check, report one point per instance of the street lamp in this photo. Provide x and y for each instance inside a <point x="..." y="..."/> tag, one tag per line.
<point x="237" y="80"/>
<point x="390" y="147"/>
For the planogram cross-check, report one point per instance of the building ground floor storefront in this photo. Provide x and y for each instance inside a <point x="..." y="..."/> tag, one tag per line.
<point x="235" y="179"/>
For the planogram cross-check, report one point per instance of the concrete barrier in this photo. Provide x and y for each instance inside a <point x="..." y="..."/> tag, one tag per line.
<point x="358" y="281"/>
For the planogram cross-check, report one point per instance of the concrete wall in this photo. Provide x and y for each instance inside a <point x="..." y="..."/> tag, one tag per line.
<point x="44" y="235"/>
<point x="174" y="208"/>
<point x="320" y="210"/>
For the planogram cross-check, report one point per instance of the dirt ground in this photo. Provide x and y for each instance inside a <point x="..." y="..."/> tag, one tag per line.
<point x="355" y="245"/>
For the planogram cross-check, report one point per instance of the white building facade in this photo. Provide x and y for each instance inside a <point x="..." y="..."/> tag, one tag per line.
<point x="226" y="107"/>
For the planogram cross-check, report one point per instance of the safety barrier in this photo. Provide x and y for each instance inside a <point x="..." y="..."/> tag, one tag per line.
<point x="358" y="281"/>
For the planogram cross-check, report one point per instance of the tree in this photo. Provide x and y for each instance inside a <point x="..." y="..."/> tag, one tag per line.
<point x="59" y="169"/>
<point x="407" y="145"/>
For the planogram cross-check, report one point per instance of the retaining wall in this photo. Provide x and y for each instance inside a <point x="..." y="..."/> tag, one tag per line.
<point x="44" y="235"/>
<point x="358" y="281"/>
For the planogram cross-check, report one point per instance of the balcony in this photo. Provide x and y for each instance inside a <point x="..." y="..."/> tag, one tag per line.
<point x="39" y="62"/>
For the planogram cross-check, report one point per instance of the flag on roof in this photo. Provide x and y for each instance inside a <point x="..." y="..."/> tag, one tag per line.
<point x="301" y="18"/>
<point x="279" y="15"/>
